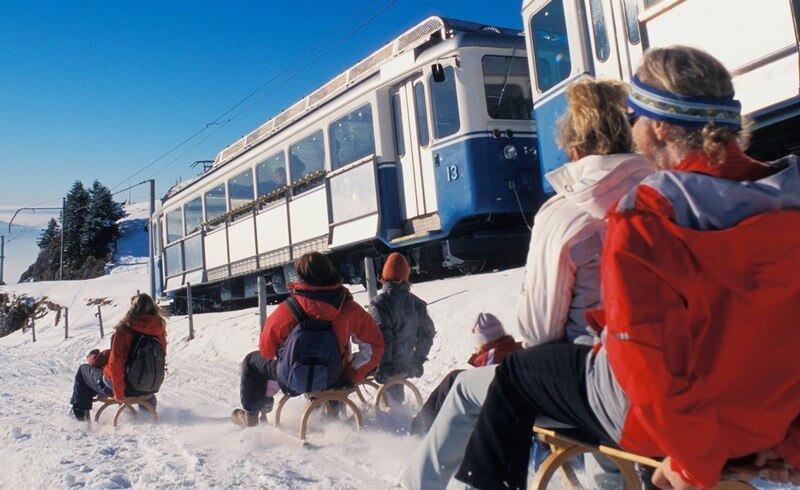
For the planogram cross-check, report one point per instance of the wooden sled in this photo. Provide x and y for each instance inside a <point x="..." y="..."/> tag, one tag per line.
<point x="564" y="448"/>
<point x="381" y="395"/>
<point x="127" y="403"/>
<point x="322" y="398"/>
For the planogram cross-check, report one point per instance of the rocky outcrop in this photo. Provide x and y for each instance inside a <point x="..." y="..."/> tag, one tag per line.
<point x="15" y="311"/>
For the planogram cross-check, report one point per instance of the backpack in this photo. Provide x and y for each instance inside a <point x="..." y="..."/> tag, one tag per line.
<point x="146" y="364"/>
<point x="309" y="359"/>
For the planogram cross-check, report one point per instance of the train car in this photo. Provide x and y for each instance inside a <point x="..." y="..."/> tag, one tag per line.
<point x="757" y="41"/>
<point x="427" y="147"/>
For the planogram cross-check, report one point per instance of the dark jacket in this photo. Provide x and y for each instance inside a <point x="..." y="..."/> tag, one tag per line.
<point x="407" y="329"/>
<point x="349" y="320"/>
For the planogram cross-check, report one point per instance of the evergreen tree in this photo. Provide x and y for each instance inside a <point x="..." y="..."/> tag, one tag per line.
<point x="49" y="234"/>
<point x="75" y="211"/>
<point x="100" y="227"/>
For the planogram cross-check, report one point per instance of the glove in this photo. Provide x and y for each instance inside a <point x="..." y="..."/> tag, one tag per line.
<point x="98" y="359"/>
<point x="380" y="377"/>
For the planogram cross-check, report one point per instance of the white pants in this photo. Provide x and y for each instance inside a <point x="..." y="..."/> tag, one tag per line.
<point x="441" y="451"/>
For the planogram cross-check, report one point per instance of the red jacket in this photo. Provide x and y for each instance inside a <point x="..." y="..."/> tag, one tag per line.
<point x="495" y="351"/>
<point x="332" y="303"/>
<point x="121" y="344"/>
<point x="702" y="327"/>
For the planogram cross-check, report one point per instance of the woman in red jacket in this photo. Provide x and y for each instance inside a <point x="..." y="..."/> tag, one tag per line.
<point x="104" y="373"/>
<point x="320" y="296"/>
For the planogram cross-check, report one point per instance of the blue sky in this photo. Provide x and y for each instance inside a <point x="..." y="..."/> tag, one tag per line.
<point x="97" y="90"/>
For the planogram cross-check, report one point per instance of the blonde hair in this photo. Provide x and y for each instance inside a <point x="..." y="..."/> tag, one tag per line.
<point x="143" y="304"/>
<point x="596" y="123"/>
<point x="692" y="72"/>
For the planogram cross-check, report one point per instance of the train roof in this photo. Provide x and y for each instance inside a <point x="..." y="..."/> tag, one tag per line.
<point x="425" y="31"/>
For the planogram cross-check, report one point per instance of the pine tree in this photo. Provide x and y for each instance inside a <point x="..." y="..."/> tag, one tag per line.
<point x="100" y="227"/>
<point x="49" y="234"/>
<point x="75" y="211"/>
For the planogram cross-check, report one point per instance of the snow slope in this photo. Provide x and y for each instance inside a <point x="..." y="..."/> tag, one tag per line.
<point x="194" y="444"/>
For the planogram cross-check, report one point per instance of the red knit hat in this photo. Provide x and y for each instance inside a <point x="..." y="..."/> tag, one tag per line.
<point x="396" y="268"/>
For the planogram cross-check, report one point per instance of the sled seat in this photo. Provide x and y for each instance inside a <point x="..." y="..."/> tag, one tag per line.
<point x="126" y="403"/>
<point x="567" y="443"/>
<point x="323" y="398"/>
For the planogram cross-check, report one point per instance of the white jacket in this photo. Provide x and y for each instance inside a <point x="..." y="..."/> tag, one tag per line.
<point x="562" y="272"/>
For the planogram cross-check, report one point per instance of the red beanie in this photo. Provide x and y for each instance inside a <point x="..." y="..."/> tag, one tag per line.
<point x="396" y="268"/>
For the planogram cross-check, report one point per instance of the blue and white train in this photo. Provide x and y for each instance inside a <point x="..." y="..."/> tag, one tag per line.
<point x="758" y="41"/>
<point x="427" y="146"/>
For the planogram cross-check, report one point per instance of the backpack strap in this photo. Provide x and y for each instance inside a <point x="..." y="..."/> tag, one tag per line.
<point x="297" y="311"/>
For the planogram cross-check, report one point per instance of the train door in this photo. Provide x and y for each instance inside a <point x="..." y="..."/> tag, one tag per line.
<point x="554" y="30"/>
<point x="411" y="136"/>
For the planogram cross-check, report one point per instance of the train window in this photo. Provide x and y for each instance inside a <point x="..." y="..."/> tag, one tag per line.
<point x="306" y="157"/>
<point x="508" y="87"/>
<point x="397" y="115"/>
<point x="422" y="114"/>
<point x="174" y="260"/>
<point x="445" y="104"/>
<point x="651" y="3"/>
<point x="352" y="137"/>
<point x="192" y="215"/>
<point x="632" y="20"/>
<point x="174" y="226"/>
<point x="240" y="189"/>
<point x="193" y="253"/>
<point x="215" y="202"/>
<point x="271" y="174"/>
<point x="550" y="45"/>
<point x="601" y="47"/>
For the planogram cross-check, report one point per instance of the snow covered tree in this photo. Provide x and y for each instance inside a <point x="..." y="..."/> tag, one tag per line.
<point x="75" y="210"/>
<point x="49" y="234"/>
<point x="100" y="228"/>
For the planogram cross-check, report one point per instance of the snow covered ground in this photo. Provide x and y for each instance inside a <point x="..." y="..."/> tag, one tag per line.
<point x="194" y="443"/>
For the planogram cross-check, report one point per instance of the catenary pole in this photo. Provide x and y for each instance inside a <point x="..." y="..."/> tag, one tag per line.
<point x="151" y="239"/>
<point x="2" y="256"/>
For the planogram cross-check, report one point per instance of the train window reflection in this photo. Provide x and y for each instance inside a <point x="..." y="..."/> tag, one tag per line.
<point x="193" y="215"/>
<point x="271" y="174"/>
<point x="445" y="104"/>
<point x="306" y="157"/>
<point x="397" y="114"/>
<point x="352" y="137"/>
<point x="632" y="20"/>
<point x="601" y="47"/>
<point x="508" y="87"/>
<point x="240" y="189"/>
<point x="550" y="46"/>
<point x="422" y="114"/>
<point x="174" y="226"/>
<point x="215" y="202"/>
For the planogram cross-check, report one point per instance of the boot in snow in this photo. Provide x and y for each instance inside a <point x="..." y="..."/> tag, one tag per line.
<point x="244" y="419"/>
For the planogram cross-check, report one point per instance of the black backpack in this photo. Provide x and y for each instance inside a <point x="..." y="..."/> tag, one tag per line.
<point x="146" y="366"/>
<point x="309" y="359"/>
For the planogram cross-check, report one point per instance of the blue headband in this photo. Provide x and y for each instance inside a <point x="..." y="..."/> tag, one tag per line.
<point x="681" y="110"/>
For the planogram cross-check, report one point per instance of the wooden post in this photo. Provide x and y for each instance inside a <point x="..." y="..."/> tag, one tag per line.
<point x="33" y="328"/>
<point x="99" y="316"/>
<point x="369" y="276"/>
<point x="262" y="301"/>
<point x="189" y="309"/>
<point x="66" y="322"/>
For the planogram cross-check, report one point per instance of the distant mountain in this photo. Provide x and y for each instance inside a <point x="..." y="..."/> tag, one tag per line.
<point x="20" y="251"/>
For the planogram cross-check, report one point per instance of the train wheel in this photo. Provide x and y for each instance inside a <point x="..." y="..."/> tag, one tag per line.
<point x="471" y="267"/>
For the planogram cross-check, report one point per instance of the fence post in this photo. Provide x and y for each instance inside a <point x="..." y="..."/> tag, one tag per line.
<point x="369" y="276"/>
<point x="189" y="309"/>
<point x="33" y="328"/>
<point x="66" y="322"/>
<point x="99" y="316"/>
<point x="262" y="301"/>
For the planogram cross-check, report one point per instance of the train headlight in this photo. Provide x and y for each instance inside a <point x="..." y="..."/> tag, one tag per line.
<point x="510" y="152"/>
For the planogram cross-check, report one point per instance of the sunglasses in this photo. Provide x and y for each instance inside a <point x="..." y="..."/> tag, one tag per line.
<point x="632" y="118"/>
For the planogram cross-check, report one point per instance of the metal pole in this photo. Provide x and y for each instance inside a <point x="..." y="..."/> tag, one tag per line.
<point x="99" y="316"/>
<point x="2" y="256"/>
<point x="189" y="309"/>
<point x="33" y="329"/>
<point x="61" y="258"/>
<point x="66" y="322"/>
<point x="151" y="238"/>
<point x="262" y="301"/>
<point x="369" y="275"/>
